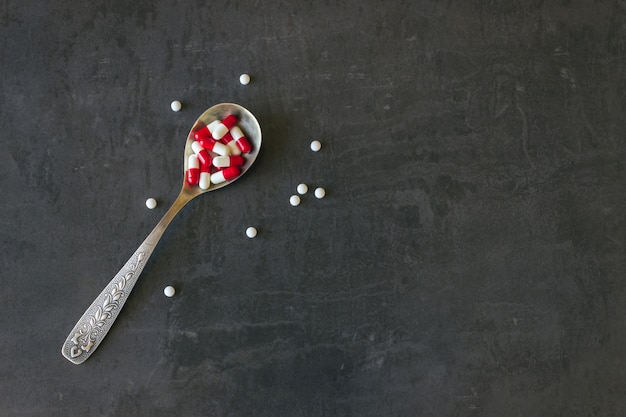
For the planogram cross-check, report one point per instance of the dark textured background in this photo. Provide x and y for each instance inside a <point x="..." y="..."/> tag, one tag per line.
<point x="468" y="259"/>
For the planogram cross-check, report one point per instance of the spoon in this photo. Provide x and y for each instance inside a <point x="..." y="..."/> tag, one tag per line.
<point x="101" y="314"/>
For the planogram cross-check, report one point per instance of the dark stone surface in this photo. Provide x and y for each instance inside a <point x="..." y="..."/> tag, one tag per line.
<point x="468" y="259"/>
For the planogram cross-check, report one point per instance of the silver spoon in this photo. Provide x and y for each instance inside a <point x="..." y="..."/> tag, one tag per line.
<point x="101" y="314"/>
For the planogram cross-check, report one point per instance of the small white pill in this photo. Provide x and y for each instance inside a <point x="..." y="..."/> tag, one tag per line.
<point x="294" y="200"/>
<point x="251" y="232"/>
<point x="320" y="192"/>
<point x="169" y="291"/>
<point x="244" y="79"/>
<point x="316" y="145"/>
<point x="176" y="106"/>
<point x="302" y="189"/>
<point x="151" y="203"/>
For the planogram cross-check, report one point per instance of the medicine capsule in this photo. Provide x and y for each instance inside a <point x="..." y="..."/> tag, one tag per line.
<point x="294" y="200"/>
<point x="169" y="291"/>
<point x="316" y="145"/>
<point x="227" y="140"/>
<point x="221" y="128"/>
<point x="320" y="192"/>
<point x="228" y="161"/>
<point x="244" y="79"/>
<point x="202" y="133"/>
<point x="214" y="146"/>
<point x="205" y="176"/>
<point x="201" y="153"/>
<point x="207" y="131"/>
<point x="302" y="189"/>
<point x="240" y="139"/>
<point x="226" y="174"/>
<point x="151" y="203"/>
<point x="251" y="232"/>
<point x="193" y="170"/>
<point x="176" y="105"/>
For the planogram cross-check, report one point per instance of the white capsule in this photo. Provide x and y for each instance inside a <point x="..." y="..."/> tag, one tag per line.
<point x="234" y="149"/>
<point x="196" y="147"/>
<point x="251" y="232"/>
<point x="302" y="189"/>
<point x="225" y="174"/>
<point x="169" y="291"/>
<point x="228" y="161"/>
<point x="205" y="180"/>
<point x="294" y="200"/>
<point x="192" y="174"/>
<point x="240" y="139"/>
<point x="219" y="131"/>
<point x="151" y="203"/>
<point x="320" y="192"/>
<point x="213" y="125"/>
<point x="175" y="105"/>
<point x="228" y="140"/>
<point x="244" y="79"/>
<point x="222" y="127"/>
<point x="316" y="145"/>
<point x="221" y="149"/>
<point x="217" y="177"/>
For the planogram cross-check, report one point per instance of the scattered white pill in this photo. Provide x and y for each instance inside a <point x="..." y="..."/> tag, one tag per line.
<point x="302" y="189"/>
<point x="316" y="145"/>
<point x="244" y="79"/>
<point x="294" y="200"/>
<point x="320" y="192"/>
<point x="251" y="232"/>
<point x="176" y="106"/>
<point x="151" y="203"/>
<point x="169" y="291"/>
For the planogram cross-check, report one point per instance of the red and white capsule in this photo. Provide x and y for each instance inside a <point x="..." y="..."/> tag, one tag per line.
<point x="201" y="153"/>
<point x="205" y="176"/>
<point x="219" y="129"/>
<point x="227" y="140"/>
<point x="240" y="139"/>
<point x="228" y="161"/>
<point x="202" y="133"/>
<point x="226" y="174"/>
<point x="214" y="146"/>
<point x="193" y="170"/>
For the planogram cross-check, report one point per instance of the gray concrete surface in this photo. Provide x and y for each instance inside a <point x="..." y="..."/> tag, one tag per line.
<point x="468" y="259"/>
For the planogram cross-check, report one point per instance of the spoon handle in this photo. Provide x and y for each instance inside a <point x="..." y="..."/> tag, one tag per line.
<point x="95" y="323"/>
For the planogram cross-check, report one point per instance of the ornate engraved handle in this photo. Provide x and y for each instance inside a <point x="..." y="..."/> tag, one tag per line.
<point x="101" y="314"/>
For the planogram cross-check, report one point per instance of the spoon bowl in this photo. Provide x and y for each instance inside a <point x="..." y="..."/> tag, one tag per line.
<point x="99" y="317"/>
<point x="246" y="121"/>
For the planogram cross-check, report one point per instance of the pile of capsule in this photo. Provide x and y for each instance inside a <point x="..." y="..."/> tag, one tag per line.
<point x="217" y="153"/>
